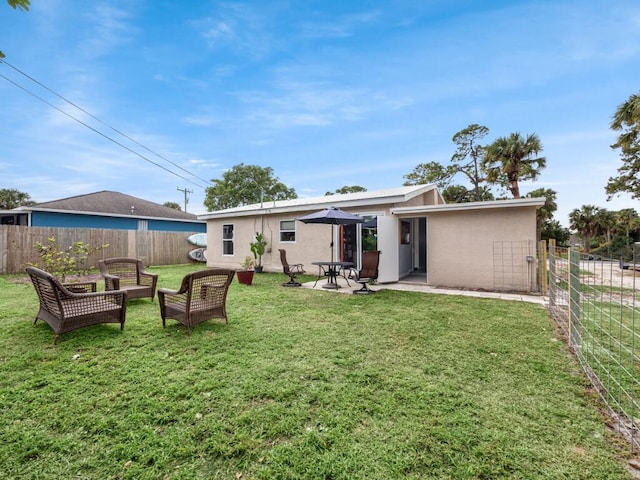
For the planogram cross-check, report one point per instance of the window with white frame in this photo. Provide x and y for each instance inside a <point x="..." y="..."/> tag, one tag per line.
<point x="227" y="239"/>
<point x="143" y="225"/>
<point x="287" y="230"/>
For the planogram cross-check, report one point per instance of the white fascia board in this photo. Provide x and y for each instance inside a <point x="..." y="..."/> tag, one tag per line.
<point x="315" y="204"/>
<point x="453" y="207"/>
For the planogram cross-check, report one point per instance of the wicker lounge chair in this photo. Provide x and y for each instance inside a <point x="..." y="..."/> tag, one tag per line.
<point x="293" y="270"/>
<point x="202" y="296"/>
<point x="368" y="272"/>
<point x="65" y="311"/>
<point x="128" y="274"/>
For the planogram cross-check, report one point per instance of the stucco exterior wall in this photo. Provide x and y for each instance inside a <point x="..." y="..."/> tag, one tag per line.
<point x="313" y="241"/>
<point x="473" y="249"/>
<point x="471" y="246"/>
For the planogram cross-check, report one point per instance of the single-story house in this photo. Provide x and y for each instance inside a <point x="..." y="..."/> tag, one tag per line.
<point x="111" y="210"/>
<point x="479" y="245"/>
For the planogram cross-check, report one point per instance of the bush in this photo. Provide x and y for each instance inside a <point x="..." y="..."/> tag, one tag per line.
<point x="62" y="263"/>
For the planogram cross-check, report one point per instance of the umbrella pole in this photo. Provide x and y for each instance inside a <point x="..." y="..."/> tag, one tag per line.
<point x="332" y="235"/>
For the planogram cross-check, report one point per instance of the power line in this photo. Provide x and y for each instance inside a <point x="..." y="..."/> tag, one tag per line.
<point x="103" y="123"/>
<point x="98" y="132"/>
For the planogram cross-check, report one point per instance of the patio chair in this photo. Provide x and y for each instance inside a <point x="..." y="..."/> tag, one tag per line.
<point x="65" y="310"/>
<point x="293" y="270"/>
<point x="202" y="296"/>
<point x="128" y="274"/>
<point x="368" y="272"/>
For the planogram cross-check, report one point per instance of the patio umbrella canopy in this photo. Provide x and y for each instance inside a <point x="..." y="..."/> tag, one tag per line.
<point x="332" y="216"/>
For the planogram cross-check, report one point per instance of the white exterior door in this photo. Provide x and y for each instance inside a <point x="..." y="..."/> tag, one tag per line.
<point x="388" y="244"/>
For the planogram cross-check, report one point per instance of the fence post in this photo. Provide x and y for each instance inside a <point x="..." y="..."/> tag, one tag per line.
<point x="552" y="272"/>
<point x="574" y="297"/>
<point x="542" y="268"/>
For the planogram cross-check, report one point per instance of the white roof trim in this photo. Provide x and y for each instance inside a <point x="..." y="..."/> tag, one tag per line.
<point x="347" y="200"/>
<point x="454" y="207"/>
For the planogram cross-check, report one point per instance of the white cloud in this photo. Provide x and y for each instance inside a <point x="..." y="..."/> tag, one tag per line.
<point x="108" y="29"/>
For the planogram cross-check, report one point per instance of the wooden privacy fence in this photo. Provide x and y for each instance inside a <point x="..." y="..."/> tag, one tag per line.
<point x="18" y="245"/>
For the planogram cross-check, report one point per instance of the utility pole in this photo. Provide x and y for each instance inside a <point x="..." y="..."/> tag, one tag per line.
<point x="186" y="196"/>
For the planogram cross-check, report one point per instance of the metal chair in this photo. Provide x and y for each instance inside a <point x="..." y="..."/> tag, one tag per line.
<point x="368" y="272"/>
<point x="293" y="270"/>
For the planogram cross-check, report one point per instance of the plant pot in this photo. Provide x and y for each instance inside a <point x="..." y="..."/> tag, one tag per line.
<point x="245" y="277"/>
<point x="258" y="268"/>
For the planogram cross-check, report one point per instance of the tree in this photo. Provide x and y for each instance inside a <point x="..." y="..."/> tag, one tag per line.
<point x="627" y="120"/>
<point x="430" y="172"/>
<point x="20" y="4"/>
<point x="544" y="215"/>
<point x="584" y="221"/>
<point x="11" y="198"/>
<point x="461" y="194"/>
<point x="626" y="218"/>
<point x="246" y="184"/>
<point x="606" y="222"/>
<point x="553" y="229"/>
<point x="511" y="159"/>
<point x="174" y="205"/>
<point x="627" y="221"/>
<point x="470" y="151"/>
<point x="348" y="189"/>
<point x="467" y="160"/>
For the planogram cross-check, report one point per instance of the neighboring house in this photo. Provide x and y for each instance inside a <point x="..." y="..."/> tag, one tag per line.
<point x="111" y="210"/>
<point x="479" y="245"/>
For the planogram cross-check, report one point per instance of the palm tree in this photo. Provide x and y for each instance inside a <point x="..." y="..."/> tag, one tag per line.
<point x="544" y="213"/>
<point x="513" y="158"/>
<point x="627" y="115"/>
<point x="606" y="220"/>
<point x="627" y="219"/>
<point x="626" y="120"/>
<point x="585" y="221"/>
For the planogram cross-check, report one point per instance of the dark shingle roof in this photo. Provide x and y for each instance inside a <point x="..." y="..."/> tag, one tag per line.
<point x="114" y="203"/>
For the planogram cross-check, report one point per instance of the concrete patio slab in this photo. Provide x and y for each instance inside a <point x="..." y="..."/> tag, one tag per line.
<point x="423" y="288"/>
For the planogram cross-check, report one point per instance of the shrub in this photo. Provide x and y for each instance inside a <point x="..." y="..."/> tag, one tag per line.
<point x="62" y="263"/>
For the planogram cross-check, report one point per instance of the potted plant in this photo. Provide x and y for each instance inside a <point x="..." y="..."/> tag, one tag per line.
<point x="257" y="248"/>
<point x="245" y="276"/>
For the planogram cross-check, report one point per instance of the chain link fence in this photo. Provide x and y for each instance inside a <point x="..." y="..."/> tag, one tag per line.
<point x="595" y="304"/>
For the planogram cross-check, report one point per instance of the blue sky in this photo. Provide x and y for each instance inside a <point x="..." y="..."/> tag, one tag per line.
<point x="327" y="93"/>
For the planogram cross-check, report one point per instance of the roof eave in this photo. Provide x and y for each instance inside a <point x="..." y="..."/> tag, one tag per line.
<point x="100" y="214"/>
<point x="536" y="202"/>
<point x="316" y="204"/>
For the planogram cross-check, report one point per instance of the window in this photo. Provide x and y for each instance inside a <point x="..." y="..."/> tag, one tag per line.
<point x="227" y="239"/>
<point x="143" y="225"/>
<point x="287" y="230"/>
<point x="405" y="233"/>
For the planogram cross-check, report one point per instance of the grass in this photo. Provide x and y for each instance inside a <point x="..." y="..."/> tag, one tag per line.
<point x="300" y="385"/>
<point x="610" y="346"/>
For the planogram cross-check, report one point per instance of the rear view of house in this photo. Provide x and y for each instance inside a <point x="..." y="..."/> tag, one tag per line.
<point x="484" y="245"/>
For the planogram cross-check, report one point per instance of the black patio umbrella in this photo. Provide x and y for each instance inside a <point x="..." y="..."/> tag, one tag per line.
<point x="332" y="216"/>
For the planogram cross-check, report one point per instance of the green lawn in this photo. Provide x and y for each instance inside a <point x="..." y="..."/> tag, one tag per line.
<point x="300" y="385"/>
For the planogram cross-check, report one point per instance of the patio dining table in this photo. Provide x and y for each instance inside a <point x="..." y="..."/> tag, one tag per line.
<point x="330" y="270"/>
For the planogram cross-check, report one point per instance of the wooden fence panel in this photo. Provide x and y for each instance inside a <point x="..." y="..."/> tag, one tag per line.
<point x="18" y="245"/>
